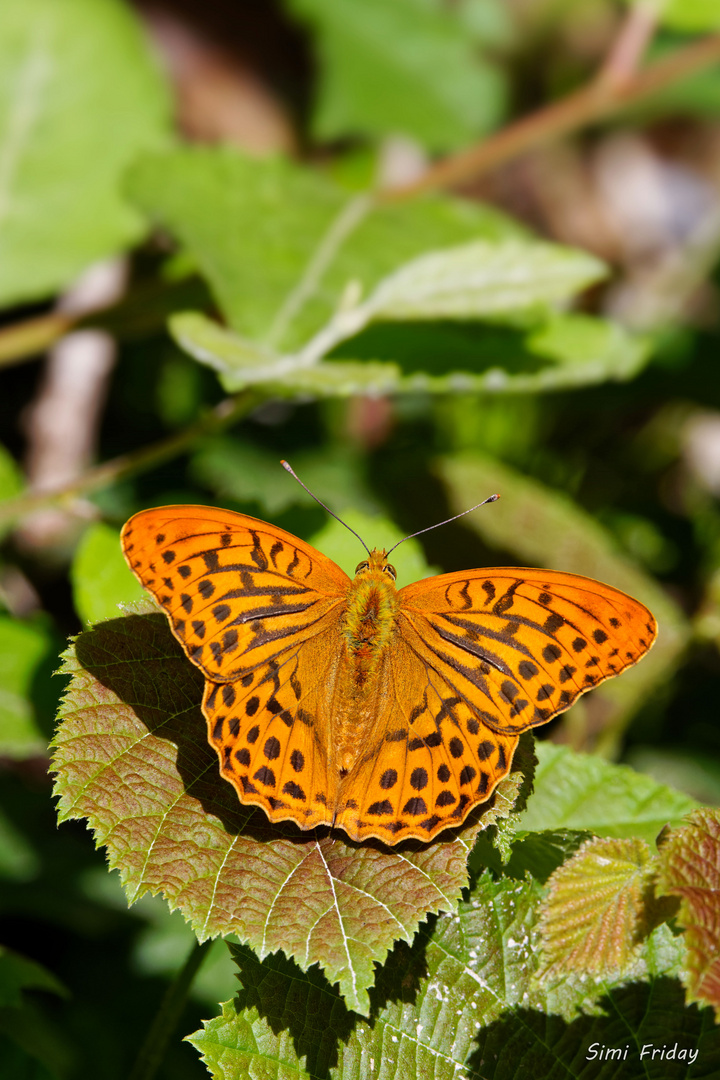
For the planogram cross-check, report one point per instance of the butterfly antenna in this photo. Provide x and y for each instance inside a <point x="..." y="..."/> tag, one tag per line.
<point x="292" y="472"/>
<point x="490" y="498"/>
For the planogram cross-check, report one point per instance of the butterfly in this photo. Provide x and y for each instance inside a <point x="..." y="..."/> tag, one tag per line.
<point x="347" y="702"/>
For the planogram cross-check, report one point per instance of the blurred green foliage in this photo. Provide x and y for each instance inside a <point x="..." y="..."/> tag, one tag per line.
<point x="408" y="356"/>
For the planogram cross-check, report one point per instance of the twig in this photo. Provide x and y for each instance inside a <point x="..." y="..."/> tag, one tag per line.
<point x="600" y="98"/>
<point x="218" y="419"/>
<point x="636" y="33"/>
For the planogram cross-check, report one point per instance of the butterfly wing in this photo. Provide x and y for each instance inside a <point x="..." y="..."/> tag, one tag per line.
<point x="478" y="658"/>
<point x="258" y="611"/>
<point x="427" y="760"/>
<point x="521" y="645"/>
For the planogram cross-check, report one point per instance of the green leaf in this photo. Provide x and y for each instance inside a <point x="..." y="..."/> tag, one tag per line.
<point x="239" y="470"/>
<point x="484" y="279"/>
<point x="542" y="527"/>
<point x="577" y="791"/>
<point x="11" y="478"/>
<point x="449" y="1007"/>
<point x="279" y="244"/>
<point x="691" y="16"/>
<point x="617" y="356"/>
<point x="690" y="869"/>
<point x="25" y="650"/>
<point x="69" y="126"/>
<point x="18" y="973"/>
<point x="239" y="366"/>
<point x="132" y="755"/>
<point x="18" y="860"/>
<point x="100" y="576"/>
<point x="593" y="917"/>
<point x="400" y="66"/>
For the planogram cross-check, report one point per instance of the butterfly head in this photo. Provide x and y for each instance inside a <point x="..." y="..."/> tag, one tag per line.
<point x="376" y="560"/>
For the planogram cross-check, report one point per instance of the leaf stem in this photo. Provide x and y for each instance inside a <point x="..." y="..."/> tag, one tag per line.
<point x="219" y="418"/>
<point x="166" y="1019"/>
<point x="601" y="97"/>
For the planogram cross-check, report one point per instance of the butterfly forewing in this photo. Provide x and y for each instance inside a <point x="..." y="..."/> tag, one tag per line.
<point x="521" y="645"/>
<point x="257" y="610"/>
<point x="237" y="591"/>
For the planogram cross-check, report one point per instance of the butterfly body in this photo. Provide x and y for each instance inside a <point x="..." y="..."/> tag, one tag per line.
<point x="346" y="702"/>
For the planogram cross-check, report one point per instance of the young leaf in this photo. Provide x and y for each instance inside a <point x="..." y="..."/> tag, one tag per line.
<point x="407" y="66"/>
<point x="690" y="869"/>
<point x="578" y="791"/>
<point x="132" y="755"/>
<point x="69" y="126"/>
<point x="593" y="916"/>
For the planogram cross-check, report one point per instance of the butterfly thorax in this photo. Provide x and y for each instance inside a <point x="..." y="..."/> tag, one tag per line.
<point x="370" y="617"/>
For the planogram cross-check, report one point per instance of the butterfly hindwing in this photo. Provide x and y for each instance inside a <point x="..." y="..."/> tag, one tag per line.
<point x="428" y="761"/>
<point x="269" y="728"/>
<point x="523" y="644"/>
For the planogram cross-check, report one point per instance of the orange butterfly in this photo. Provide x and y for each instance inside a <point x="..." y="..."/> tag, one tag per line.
<point x="342" y="702"/>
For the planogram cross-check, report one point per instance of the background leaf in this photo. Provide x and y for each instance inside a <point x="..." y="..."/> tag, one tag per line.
<point x="27" y="656"/>
<point x="61" y="207"/>
<point x="100" y="576"/>
<point x="400" y="66"/>
<point x="285" y="214"/>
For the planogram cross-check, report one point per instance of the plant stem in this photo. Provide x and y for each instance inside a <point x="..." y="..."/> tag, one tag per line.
<point x="224" y="414"/>
<point x="600" y="98"/>
<point x="166" y="1019"/>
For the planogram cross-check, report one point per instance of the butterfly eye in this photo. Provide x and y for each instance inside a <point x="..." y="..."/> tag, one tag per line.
<point x="389" y="569"/>
<point x="362" y="566"/>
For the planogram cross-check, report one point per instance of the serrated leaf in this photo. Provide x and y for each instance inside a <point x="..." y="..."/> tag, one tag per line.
<point x="100" y="577"/>
<point x="690" y="869"/>
<point x="61" y="207"/>
<point x="592" y="919"/>
<point x="578" y="791"/>
<point x="295" y="226"/>
<point x="408" y="66"/>
<point x="484" y="279"/>
<point x="132" y="755"/>
<point x="435" y="1006"/>
<point x="543" y="527"/>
